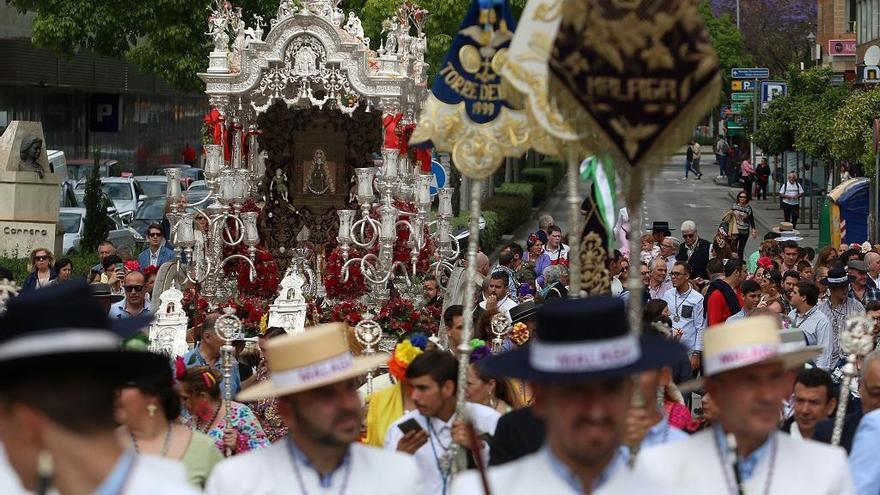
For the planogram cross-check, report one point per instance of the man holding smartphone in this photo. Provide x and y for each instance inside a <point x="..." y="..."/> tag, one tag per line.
<point x="429" y="432"/>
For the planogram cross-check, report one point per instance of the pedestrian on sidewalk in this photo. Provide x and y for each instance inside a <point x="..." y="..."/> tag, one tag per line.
<point x="696" y="163"/>
<point x="689" y="161"/>
<point x="791" y="193"/>
<point x="721" y="149"/>
<point x="744" y="220"/>
<point x="747" y="172"/>
<point x="762" y="178"/>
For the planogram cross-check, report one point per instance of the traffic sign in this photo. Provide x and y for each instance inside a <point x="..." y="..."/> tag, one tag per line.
<point x="742" y="96"/>
<point x="750" y="73"/>
<point x="439" y="174"/>
<point x="737" y="106"/>
<point x="742" y="85"/>
<point x="772" y="89"/>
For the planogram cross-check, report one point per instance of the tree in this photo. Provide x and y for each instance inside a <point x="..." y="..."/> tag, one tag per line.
<point x="726" y="40"/>
<point x="96" y="225"/>
<point x="162" y="37"/>
<point x="851" y="129"/>
<point x="774" y="31"/>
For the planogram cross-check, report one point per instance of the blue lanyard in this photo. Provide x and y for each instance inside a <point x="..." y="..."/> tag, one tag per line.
<point x="444" y="473"/>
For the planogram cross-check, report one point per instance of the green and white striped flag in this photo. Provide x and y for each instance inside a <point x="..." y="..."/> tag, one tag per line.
<point x="604" y="189"/>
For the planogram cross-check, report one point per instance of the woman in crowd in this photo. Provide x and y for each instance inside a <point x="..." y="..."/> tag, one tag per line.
<point x="148" y="410"/>
<point x="64" y="268"/>
<point x="745" y="222"/>
<point x="150" y="274"/>
<point x="41" y="272"/>
<point x="488" y="390"/>
<point x="537" y="257"/>
<point x="201" y="394"/>
<point x="762" y="177"/>
<point x="721" y="248"/>
<point x="266" y="409"/>
<point x="826" y="255"/>
<point x="657" y="310"/>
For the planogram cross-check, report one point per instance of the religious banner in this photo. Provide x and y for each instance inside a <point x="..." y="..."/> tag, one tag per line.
<point x="467" y="112"/>
<point x="640" y="73"/>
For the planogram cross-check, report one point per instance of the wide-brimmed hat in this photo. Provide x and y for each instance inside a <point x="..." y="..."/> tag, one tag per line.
<point x="102" y="291"/>
<point x="837" y="277"/>
<point x="661" y="227"/>
<point x="523" y="311"/>
<point x="309" y="360"/>
<point x="747" y="342"/>
<point x="785" y="229"/>
<point x="582" y="340"/>
<point x="64" y="327"/>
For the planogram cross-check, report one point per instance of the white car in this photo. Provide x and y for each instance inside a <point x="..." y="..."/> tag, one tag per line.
<point x="72" y="220"/>
<point x="154" y="186"/>
<point x="125" y="193"/>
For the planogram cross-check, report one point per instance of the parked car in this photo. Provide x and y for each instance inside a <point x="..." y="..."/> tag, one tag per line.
<point x="154" y="186"/>
<point x="196" y="191"/>
<point x="150" y="211"/>
<point x="77" y="169"/>
<point x="72" y="220"/>
<point x="57" y="163"/>
<point x="125" y="193"/>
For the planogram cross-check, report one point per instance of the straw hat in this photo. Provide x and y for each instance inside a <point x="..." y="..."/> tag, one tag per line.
<point x="785" y="229"/>
<point x="747" y="342"/>
<point x="313" y="359"/>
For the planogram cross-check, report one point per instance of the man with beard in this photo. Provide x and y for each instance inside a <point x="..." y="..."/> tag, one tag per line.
<point x="314" y="377"/>
<point x="746" y="369"/>
<point x="583" y="387"/>
<point x="432" y="377"/>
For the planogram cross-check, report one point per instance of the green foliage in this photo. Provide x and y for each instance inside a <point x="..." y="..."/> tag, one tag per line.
<point x="518" y="189"/>
<point x="547" y="175"/>
<point x="97" y="224"/>
<point x="490" y="236"/>
<point x="851" y="129"/>
<point x="82" y="264"/>
<point x="510" y="210"/>
<point x="539" y="189"/>
<point x="727" y="41"/>
<point x="803" y="120"/>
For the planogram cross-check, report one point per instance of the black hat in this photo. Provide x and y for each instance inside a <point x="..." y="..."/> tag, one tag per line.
<point x="661" y="227"/>
<point x="63" y="326"/>
<point x="523" y="311"/>
<point x="580" y="340"/>
<point x="837" y="277"/>
<point x="102" y="291"/>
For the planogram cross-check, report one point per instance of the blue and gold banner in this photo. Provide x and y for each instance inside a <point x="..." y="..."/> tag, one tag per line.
<point x="471" y="71"/>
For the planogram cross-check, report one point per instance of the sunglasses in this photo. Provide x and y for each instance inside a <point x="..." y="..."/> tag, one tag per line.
<point x="155" y="234"/>
<point x="688" y="236"/>
<point x="677" y="274"/>
<point x="134" y="288"/>
<point x="41" y="258"/>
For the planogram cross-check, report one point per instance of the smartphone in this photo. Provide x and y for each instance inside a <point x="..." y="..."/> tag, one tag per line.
<point x="409" y="425"/>
<point x="120" y="267"/>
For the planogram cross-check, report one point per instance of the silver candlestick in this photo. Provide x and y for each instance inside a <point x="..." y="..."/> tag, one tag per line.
<point x="228" y="327"/>
<point x="856" y="341"/>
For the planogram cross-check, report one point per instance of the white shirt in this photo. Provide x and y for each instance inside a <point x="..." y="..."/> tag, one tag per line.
<point x="504" y="306"/>
<point x="560" y="253"/>
<point x="270" y="471"/>
<point x="687" y="308"/>
<point x="795" y="431"/>
<point x="816" y="328"/>
<point x="791" y="192"/>
<point x="440" y="440"/>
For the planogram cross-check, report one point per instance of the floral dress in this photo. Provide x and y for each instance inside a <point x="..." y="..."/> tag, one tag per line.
<point x="250" y="434"/>
<point x="267" y="411"/>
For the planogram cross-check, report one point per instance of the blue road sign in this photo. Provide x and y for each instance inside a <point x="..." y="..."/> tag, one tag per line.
<point x="750" y="73"/>
<point x="439" y="177"/>
<point x="772" y="89"/>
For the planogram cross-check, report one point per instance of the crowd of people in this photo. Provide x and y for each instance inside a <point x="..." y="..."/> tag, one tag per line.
<point x="738" y="362"/>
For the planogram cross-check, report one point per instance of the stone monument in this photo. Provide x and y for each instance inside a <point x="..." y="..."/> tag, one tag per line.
<point x="29" y="203"/>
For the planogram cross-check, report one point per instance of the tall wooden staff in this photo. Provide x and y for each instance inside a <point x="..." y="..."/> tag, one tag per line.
<point x="479" y="127"/>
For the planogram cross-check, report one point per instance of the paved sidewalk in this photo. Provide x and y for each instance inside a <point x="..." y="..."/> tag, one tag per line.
<point x="768" y="214"/>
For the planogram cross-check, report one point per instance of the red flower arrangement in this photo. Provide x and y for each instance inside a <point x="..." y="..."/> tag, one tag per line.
<point x="399" y="316"/>
<point x="195" y="306"/>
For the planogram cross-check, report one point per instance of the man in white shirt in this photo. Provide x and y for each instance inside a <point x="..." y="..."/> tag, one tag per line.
<point x="668" y="250"/>
<point x="313" y="375"/>
<point x="686" y="311"/>
<point x="498" y="297"/>
<point x="815" y="326"/>
<point x="432" y="431"/>
<point x="791" y="193"/>
<point x="555" y="248"/>
<point x="582" y="381"/>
